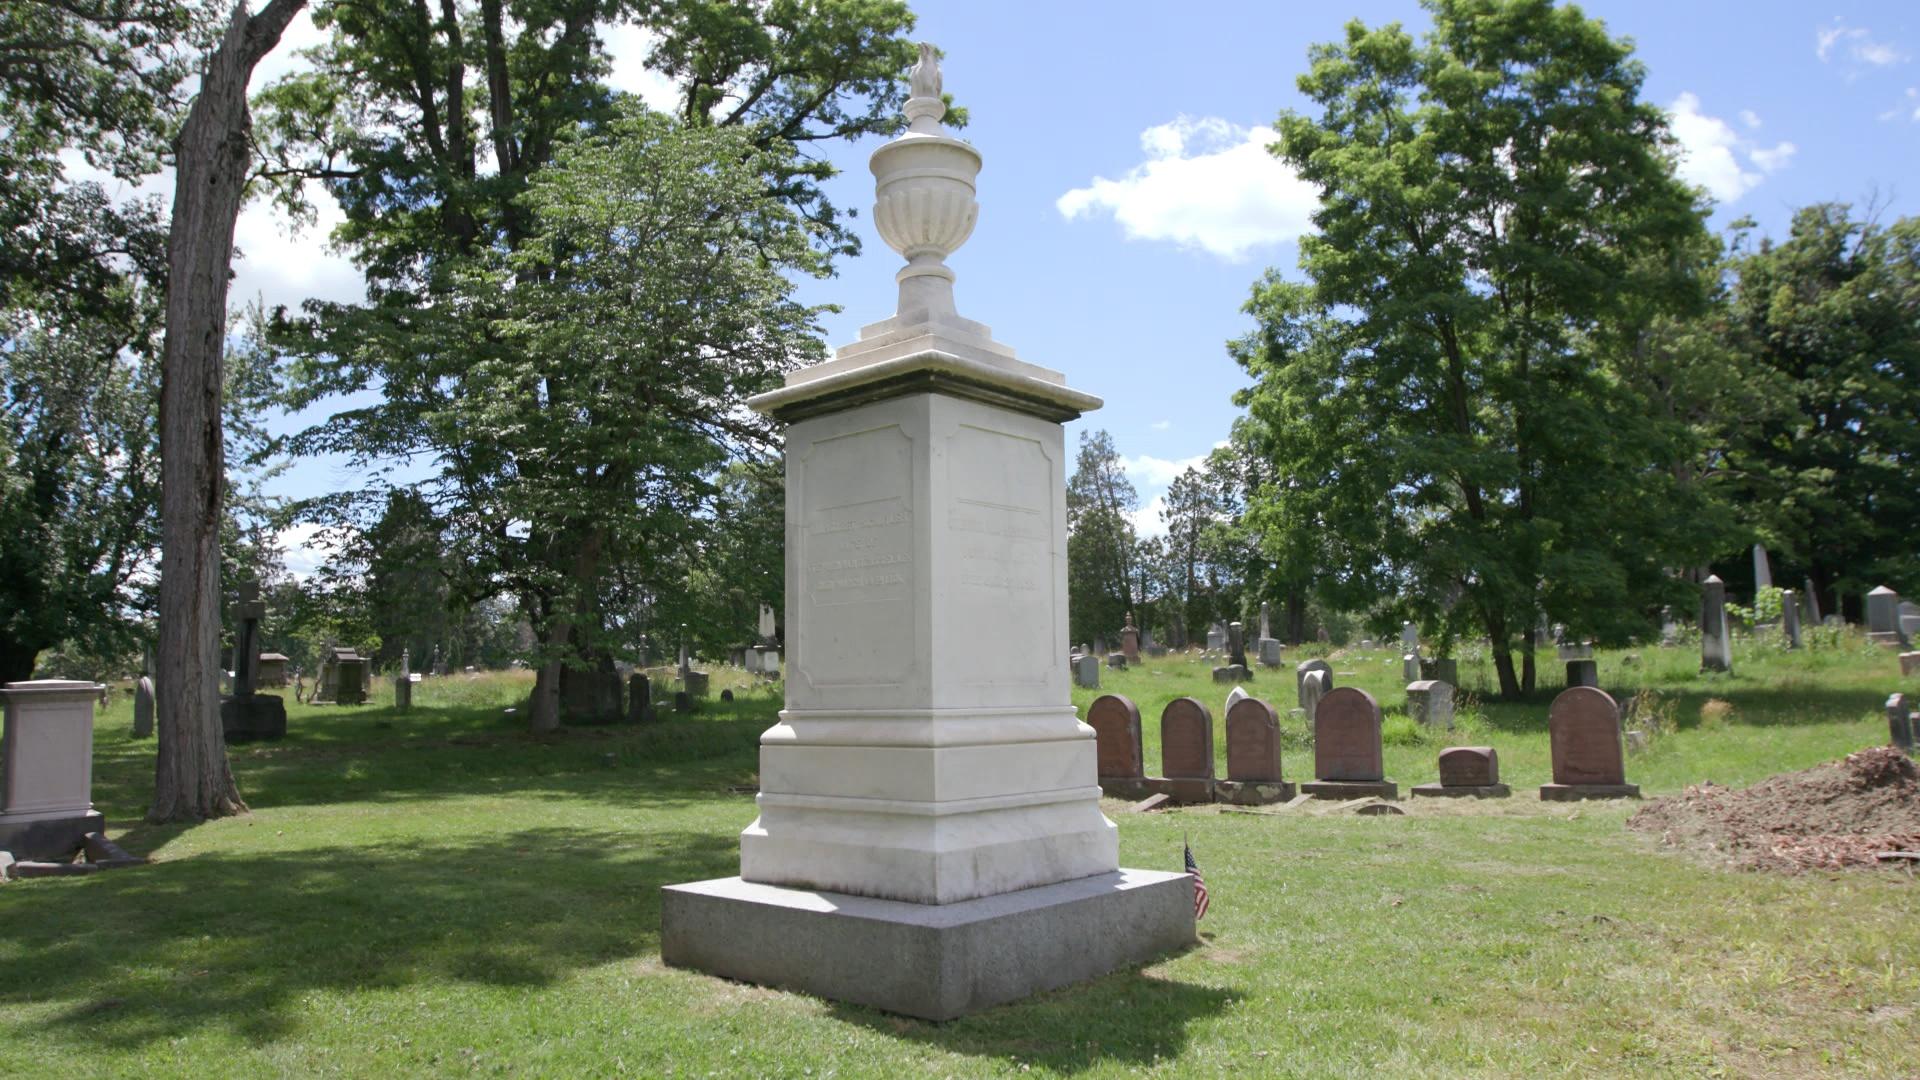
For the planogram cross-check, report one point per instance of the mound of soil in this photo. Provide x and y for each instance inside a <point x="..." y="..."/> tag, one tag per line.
<point x="1830" y="816"/>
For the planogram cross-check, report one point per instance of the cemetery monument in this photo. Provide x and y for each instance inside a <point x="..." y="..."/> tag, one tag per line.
<point x="46" y="769"/>
<point x="1583" y="727"/>
<point x="247" y="716"/>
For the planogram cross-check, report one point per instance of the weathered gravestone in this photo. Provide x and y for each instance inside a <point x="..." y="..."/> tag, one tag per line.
<point x="143" y="707"/>
<point x="1900" y="731"/>
<point x="1409" y="667"/>
<point x="1117" y="661"/>
<point x="403" y="683"/>
<point x="1269" y="646"/>
<point x="954" y="855"/>
<point x="1348" y="762"/>
<point x="272" y="670"/>
<point x="1583" y="673"/>
<point x="1409" y="638"/>
<point x="1430" y="704"/>
<point x="1716" y="642"/>
<point x="1300" y="679"/>
<point x="1467" y="772"/>
<point x="247" y="716"/>
<point x="1086" y="672"/>
<point x="1314" y="686"/>
<point x="1909" y="621"/>
<point x="1441" y="669"/>
<point x="1130" y="641"/>
<point x="1583" y="725"/>
<point x="46" y="769"/>
<point x="1216" y="638"/>
<point x="639" y="698"/>
<point x="1909" y="663"/>
<point x="1762" y="568"/>
<point x="1186" y="751"/>
<point x="1790" y="617"/>
<point x="1253" y="756"/>
<point x="1235" y="669"/>
<point x="1115" y="721"/>
<point x="1883" y="618"/>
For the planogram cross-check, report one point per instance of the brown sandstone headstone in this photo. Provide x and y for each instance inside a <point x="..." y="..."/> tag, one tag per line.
<point x="1253" y="741"/>
<point x="1186" y="740"/>
<point x="1115" y="721"/>
<point x="1346" y="737"/>
<point x="1584" y="726"/>
<point x="1469" y="766"/>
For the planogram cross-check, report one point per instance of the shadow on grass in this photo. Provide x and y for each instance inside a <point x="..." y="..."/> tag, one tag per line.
<point x="240" y="941"/>
<point x="1130" y="1017"/>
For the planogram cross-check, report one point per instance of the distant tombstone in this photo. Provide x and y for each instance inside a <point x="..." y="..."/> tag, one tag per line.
<point x="402" y="692"/>
<point x="1130" y="641"/>
<point x="1186" y="750"/>
<point x="1348" y="762"/>
<point x="1409" y="667"/>
<point x="1270" y="652"/>
<point x="1409" y="638"/>
<point x="1790" y="617"/>
<point x="1443" y="669"/>
<point x="1216" y="638"/>
<point x="272" y="670"/>
<point x="639" y="698"/>
<point x="247" y="716"/>
<point x="1266" y="625"/>
<point x="1576" y="650"/>
<point x="1583" y="726"/>
<point x="1300" y="679"/>
<point x="1813" y="603"/>
<point x="1909" y="620"/>
<point x="1716" y="646"/>
<point x="350" y="679"/>
<point x="1583" y="673"/>
<point x="46" y="769"/>
<point x="696" y="683"/>
<point x="1237" y="694"/>
<point x="1900" y="731"/>
<point x="1117" y="661"/>
<point x="766" y="627"/>
<point x="143" y="707"/>
<point x="1467" y="772"/>
<point x="1430" y="704"/>
<point x="1762" y="568"/>
<point x="1086" y="672"/>
<point x="1236" y="645"/>
<point x="1312" y="688"/>
<point x="682" y="701"/>
<point x="1883" y="617"/>
<point x="1909" y="663"/>
<point x="1115" y="721"/>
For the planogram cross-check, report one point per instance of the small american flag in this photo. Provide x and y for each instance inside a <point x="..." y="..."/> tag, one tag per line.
<point x="1199" y="886"/>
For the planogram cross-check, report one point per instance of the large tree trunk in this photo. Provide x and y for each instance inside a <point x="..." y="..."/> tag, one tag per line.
<point x="1502" y="650"/>
<point x="192" y="781"/>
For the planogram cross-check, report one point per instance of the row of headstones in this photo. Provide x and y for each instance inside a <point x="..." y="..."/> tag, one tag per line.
<point x="1890" y="622"/>
<point x="1583" y="725"/>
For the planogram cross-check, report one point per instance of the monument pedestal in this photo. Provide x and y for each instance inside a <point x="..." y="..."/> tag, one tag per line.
<point x="48" y="839"/>
<point x="1577" y="792"/>
<point x="933" y="961"/>
<point x="260" y="718"/>
<point x="46" y="769"/>
<point x="1351" y="789"/>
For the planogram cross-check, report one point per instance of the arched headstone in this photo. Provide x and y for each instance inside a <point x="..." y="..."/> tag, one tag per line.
<point x="1347" y="758"/>
<point x="1583" y="725"/>
<point x="1186" y="751"/>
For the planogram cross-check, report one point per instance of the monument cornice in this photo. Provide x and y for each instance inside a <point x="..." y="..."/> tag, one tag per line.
<point x="927" y="371"/>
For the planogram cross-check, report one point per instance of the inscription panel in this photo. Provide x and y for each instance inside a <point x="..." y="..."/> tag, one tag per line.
<point x="1583" y="725"/>
<point x="855" y="561"/>
<point x="1253" y="741"/>
<point x="1346" y="737"/>
<point x="999" y="524"/>
<point x="1186" y="740"/>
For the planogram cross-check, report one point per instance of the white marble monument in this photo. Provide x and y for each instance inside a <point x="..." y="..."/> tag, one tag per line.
<point x="929" y="800"/>
<point x="46" y="769"/>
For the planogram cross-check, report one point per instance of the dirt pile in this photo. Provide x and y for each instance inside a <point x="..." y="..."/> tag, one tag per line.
<point x="1830" y="816"/>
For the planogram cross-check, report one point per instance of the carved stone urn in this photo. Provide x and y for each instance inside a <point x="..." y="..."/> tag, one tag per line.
<point x="924" y="202"/>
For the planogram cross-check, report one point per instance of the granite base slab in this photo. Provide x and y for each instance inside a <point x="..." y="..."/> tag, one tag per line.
<point x="1252" y="792"/>
<point x="933" y="961"/>
<point x="49" y="839"/>
<point x="1463" y="791"/>
<point x="1576" y="792"/>
<point x="1351" y="789"/>
<point x="260" y="718"/>
<point x="1130" y="788"/>
<point x="1185" y="790"/>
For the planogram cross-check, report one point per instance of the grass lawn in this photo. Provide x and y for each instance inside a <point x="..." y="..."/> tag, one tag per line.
<point x="442" y="893"/>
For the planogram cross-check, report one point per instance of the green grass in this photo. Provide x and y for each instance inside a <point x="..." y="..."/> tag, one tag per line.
<point x="441" y="893"/>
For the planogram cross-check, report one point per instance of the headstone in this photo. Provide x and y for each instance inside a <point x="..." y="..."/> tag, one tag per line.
<point x="1130" y="641"/>
<point x="1762" y="569"/>
<point x="1409" y="639"/>
<point x="402" y="692"/>
<point x="696" y="683"/>
<point x="1909" y="663"/>
<point x="1312" y="688"/>
<point x="926" y="529"/>
<point x="1467" y="772"/>
<point x="1909" y="621"/>
<point x="726" y="695"/>
<point x="1430" y="704"/>
<point x="767" y="628"/>
<point x="1270" y="652"/>
<point x="639" y="698"/>
<point x="1583" y="727"/>
<point x="1266" y="625"/>
<point x="1115" y="721"/>
<point x="1300" y="680"/>
<point x="349" y="678"/>
<point x="682" y="701"/>
<point x="1443" y="669"/>
<point x="1716" y="644"/>
<point x="1813" y="604"/>
<point x="1348" y="762"/>
<point x="1883" y="617"/>
<point x="247" y="716"/>
<point x="1790" y="617"/>
<point x="1186" y="751"/>
<point x="1409" y="667"/>
<point x="1086" y="672"/>
<point x="1583" y="673"/>
<point x="272" y="670"/>
<point x="1216" y="638"/>
<point x="1236" y="645"/>
<point x="143" y="707"/>
<point x="46" y="769"/>
<point x="1238" y="693"/>
<point x="1253" y="756"/>
<point x="1900" y="731"/>
<point x="1117" y="661"/>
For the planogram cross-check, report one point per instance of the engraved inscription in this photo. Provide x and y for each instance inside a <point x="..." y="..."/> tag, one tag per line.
<point x="856" y="559"/>
<point x="999" y="528"/>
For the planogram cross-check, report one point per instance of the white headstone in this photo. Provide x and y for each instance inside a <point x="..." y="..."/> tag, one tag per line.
<point x="1762" y="568"/>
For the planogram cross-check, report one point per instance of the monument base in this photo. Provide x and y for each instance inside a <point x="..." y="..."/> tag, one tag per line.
<point x="1232" y="673"/>
<point x="1188" y="790"/>
<point x="260" y="718"/>
<point x="1252" y="792"/>
<point x="54" y="839"/>
<point x="1129" y="788"/>
<point x="1889" y="638"/>
<point x="1464" y="791"/>
<point x="933" y="961"/>
<point x="1351" y="789"/>
<point x="1576" y="792"/>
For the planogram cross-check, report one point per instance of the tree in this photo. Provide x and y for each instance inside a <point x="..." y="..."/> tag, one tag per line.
<point x="1101" y="540"/>
<point x="1830" y="318"/>
<point x="1443" y="392"/>
<point x="192" y="780"/>
<point x="393" y="107"/>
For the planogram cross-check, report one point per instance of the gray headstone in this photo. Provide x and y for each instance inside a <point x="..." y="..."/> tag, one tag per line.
<point x="1314" y="686"/>
<point x="1583" y="673"/>
<point x="1236" y="645"/>
<point x="1266" y="628"/>
<point x="1270" y="652"/>
<point x="1813" y="603"/>
<point x="1790" y="617"/>
<point x="1716" y="646"/>
<point x="1899" y="723"/>
<point x="1430" y="703"/>
<point x="1409" y="639"/>
<point x="143" y="708"/>
<point x="1086" y="672"/>
<point x="1300" y="680"/>
<point x="1238" y="693"/>
<point x="1762" y="569"/>
<point x="1410" y="667"/>
<point x="1883" y="611"/>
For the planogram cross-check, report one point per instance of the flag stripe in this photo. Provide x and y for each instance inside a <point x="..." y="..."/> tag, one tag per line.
<point x="1200" y="898"/>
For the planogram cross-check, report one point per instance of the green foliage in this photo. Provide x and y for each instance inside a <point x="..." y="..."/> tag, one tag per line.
<point x="1444" y="394"/>
<point x="1102" y="545"/>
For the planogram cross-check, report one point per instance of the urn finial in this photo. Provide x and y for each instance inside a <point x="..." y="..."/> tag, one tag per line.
<point x="924" y="196"/>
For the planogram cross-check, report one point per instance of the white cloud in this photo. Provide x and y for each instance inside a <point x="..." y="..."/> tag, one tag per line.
<point x="1147" y="521"/>
<point x="1859" y="45"/>
<point x="628" y="46"/>
<point x="1750" y="118"/>
<point x="1152" y="472"/>
<point x="1161" y="425"/>
<point x="1207" y="183"/>
<point x="1716" y="157"/>
<point x="302" y="551"/>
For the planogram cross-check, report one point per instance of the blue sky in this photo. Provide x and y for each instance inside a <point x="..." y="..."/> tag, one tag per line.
<point x="1127" y="206"/>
